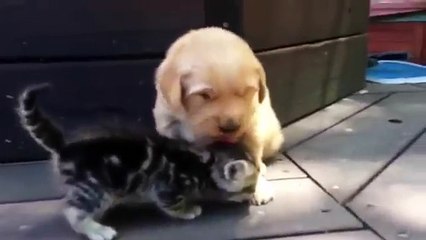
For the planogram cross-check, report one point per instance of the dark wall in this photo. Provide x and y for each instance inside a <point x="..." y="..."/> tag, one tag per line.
<point x="100" y="55"/>
<point x="52" y="28"/>
<point x="282" y="23"/>
<point x="81" y="28"/>
<point x="82" y="94"/>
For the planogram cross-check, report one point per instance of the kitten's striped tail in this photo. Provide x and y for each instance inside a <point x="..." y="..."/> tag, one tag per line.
<point x="38" y="125"/>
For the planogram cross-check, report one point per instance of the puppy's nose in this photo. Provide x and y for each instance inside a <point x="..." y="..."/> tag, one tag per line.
<point x="229" y="126"/>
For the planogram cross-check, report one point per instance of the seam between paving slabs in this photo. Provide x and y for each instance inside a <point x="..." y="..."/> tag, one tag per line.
<point x="310" y="177"/>
<point x="319" y="42"/>
<point x="381" y="170"/>
<point x="419" y="88"/>
<point x="303" y="234"/>
<point x="285" y="179"/>
<point x="365" y="224"/>
<point x="340" y="121"/>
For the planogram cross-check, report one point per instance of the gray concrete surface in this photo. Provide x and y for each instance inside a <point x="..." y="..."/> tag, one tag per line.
<point x="346" y="156"/>
<point x="352" y="175"/>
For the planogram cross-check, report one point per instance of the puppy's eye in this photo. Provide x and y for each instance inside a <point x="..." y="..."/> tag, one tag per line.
<point x="205" y="96"/>
<point x="248" y="91"/>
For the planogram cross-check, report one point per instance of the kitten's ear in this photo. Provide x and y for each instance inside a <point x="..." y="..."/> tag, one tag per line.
<point x="238" y="170"/>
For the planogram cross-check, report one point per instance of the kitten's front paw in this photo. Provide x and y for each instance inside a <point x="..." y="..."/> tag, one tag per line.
<point x="263" y="194"/>
<point x="100" y="232"/>
<point x="186" y="213"/>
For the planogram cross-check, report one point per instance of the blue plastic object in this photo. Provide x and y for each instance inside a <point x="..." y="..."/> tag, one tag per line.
<point x="396" y="72"/>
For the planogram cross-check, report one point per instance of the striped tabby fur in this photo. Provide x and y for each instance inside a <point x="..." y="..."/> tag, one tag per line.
<point x="102" y="171"/>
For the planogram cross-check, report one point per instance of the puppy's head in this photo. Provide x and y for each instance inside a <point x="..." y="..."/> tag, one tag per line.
<point x="212" y="81"/>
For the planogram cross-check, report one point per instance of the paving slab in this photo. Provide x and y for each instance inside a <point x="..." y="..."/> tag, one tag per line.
<point x="28" y="182"/>
<point x="389" y="88"/>
<point x="422" y="85"/>
<point x="327" y="117"/>
<point x="37" y="180"/>
<point x="354" y="235"/>
<point x="283" y="168"/>
<point x="346" y="156"/>
<point x="394" y="203"/>
<point x="300" y="207"/>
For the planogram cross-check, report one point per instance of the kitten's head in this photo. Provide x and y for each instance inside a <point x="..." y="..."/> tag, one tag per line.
<point x="233" y="170"/>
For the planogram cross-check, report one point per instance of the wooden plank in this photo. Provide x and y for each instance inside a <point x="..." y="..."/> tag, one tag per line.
<point x="405" y="37"/>
<point x="271" y="24"/>
<point x="346" y="156"/>
<point x="393" y="204"/>
<point x="355" y="235"/>
<point x="91" y="28"/>
<point x="42" y="220"/>
<point x="423" y="57"/>
<point x="327" y="117"/>
<point x="84" y="94"/>
<point x="386" y="7"/>
<point x="305" y="78"/>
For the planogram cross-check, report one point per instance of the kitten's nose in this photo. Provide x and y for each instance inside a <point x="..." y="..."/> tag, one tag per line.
<point x="229" y="126"/>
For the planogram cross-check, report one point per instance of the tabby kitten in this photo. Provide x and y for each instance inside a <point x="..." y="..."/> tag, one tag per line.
<point x="103" y="171"/>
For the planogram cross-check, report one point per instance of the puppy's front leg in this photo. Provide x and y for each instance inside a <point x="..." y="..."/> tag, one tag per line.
<point x="263" y="193"/>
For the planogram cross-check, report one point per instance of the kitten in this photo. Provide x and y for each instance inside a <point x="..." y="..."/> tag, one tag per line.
<point x="102" y="171"/>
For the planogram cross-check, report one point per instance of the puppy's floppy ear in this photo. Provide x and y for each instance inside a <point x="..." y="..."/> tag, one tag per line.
<point x="168" y="83"/>
<point x="262" y="84"/>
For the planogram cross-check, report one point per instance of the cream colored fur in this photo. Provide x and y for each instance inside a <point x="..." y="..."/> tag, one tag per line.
<point x="208" y="77"/>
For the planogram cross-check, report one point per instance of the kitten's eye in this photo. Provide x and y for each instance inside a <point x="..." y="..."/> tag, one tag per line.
<point x="232" y="172"/>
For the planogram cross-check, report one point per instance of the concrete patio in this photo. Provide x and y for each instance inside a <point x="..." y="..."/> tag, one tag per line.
<point x="355" y="170"/>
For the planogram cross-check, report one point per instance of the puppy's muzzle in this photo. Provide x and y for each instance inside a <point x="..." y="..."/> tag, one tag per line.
<point x="229" y="126"/>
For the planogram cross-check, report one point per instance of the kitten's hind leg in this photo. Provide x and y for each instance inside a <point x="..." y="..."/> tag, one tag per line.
<point x="175" y="204"/>
<point x="85" y="201"/>
<point x="84" y="223"/>
<point x="179" y="207"/>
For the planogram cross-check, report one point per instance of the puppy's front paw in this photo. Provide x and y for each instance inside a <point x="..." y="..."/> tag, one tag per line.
<point x="240" y="198"/>
<point x="261" y="198"/>
<point x="262" y="168"/>
<point x="263" y="194"/>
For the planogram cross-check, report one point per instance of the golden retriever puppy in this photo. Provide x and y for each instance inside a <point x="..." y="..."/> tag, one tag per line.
<point x="211" y="87"/>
